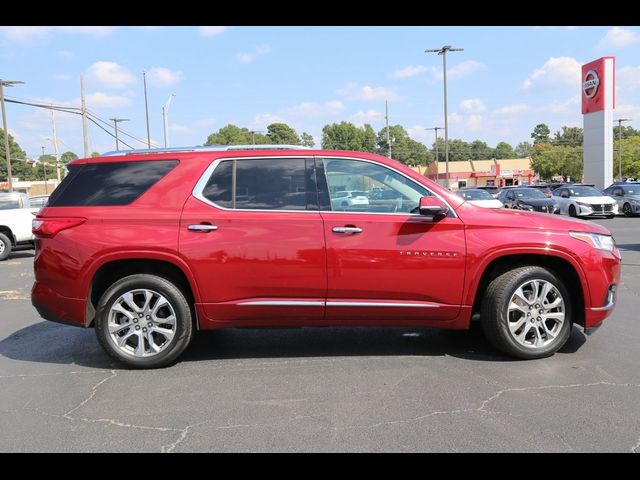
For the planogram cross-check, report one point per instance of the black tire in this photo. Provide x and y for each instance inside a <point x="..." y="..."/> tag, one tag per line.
<point x="627" y="210"/>
<point x="572" y="211"/>
<point x="495" y="307"/>
<point x="183" y="313"/>
<point x="610" y="216"/>
<point x="5" y="246"/>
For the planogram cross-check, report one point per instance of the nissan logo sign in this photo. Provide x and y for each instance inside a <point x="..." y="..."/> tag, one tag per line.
<point x="590" y="84"/>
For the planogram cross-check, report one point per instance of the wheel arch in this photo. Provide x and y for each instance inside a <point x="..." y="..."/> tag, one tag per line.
<point x="9" y="233"/>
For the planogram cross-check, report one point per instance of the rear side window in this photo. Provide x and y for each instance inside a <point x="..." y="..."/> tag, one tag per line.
<point x="108" y="184"/>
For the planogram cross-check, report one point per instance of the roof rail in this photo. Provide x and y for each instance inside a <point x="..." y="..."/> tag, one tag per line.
<point x="212" y="148"/>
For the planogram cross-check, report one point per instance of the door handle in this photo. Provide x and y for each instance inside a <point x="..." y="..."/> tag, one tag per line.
<point x="347" y="229"/>
<point x="202" y="228"/>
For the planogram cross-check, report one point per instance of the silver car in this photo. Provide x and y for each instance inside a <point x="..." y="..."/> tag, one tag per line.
<point x="627" y="196"/>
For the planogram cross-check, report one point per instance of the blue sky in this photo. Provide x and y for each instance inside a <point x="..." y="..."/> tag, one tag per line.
<point x="505" y="81"/>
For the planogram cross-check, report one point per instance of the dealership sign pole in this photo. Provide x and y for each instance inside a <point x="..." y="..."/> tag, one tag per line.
<point x="598" y="102"/>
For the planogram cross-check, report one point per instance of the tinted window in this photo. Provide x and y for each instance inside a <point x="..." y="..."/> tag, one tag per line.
<point x="218" y="188"/>
<point x="631" y="190"/>
<point x="385" y="191"/>
<point x="585" y="192"/>
<point x="8" y="204"/>
<point x="529" y="193"/>
<point x="475" y="195"/>
<point x="113" y="184"/>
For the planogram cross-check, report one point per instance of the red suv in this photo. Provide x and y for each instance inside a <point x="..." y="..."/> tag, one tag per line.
<point x="149" y="246"/>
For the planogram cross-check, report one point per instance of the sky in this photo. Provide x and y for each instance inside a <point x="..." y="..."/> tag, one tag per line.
<point x="507" y="79"/>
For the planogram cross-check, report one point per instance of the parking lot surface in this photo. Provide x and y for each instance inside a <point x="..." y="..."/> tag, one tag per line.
<point x="329" y="389"/>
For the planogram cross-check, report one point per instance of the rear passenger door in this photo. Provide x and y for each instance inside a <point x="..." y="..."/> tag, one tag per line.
<point x="253" y="236"/>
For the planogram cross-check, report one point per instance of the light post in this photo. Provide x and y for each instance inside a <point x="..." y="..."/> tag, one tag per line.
<point x="7" y="83"/>
<point x="443" y="51"/>
<point x="620" y="120"/>
<point x="253" y="135"/>
<point x="435" y="129"/>
<point x="115" y="124"/>
<point x="165" y="118"/>
<point x="44" y="170"/>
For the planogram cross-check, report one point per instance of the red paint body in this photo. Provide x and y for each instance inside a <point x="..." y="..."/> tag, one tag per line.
<point x="275" y="256"/>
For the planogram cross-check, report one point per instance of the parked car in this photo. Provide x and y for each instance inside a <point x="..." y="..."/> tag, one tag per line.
<point x="494" y="191"/>
<point x="344" y="198"/>
<point x="543" y="187"/>
<point x="39" y="200"/>
<point x="149" y="246"/>
<point x="627" y="195"/>
<point x="526" y="198"/>
<point x="585" y="201"/>
<point x="15" y="222"/>
<point x="480" y="198"/>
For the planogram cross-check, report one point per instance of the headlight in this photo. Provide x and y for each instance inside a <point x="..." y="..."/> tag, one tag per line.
<point x="601" y="242"/>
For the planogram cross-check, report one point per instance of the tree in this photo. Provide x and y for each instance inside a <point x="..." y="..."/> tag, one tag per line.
<point x="307" y="140"/>
<point x="504" y="150"/>
<point x="19" y="168"/>
<point x="523" y="150"/>
<point x="479" y="150"/>
<point x="403" y="148"/>
<point x="369" y="140"/>
<point x="558" y="160"/>
<point x="67" y="157"/>
<point x="282" y="134"/>
<point x="540" y="133"/>
<point x="95" y="154"/>
<point x="630" y="157"/>
<point x="233" y="135"/>
<point x="458" y="150"/>
<point x="569" y="136"/>
<point x="627" y="132"/>
<point x="343" y="136"/>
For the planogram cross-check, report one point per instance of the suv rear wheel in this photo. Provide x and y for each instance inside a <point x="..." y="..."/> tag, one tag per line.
<point x="144" y="321"/>
<point x="5" y="246"/>
<point x="527" y="313"/>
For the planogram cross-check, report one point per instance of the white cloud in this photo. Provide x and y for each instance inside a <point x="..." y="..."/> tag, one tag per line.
<point x="205" y="122"/>
<point x="163" y="77"/>
<point x="475" y="122"/>
<point x="211" y="31"/>
<point x="420" y="133"/>
<point x="315" y="109"/>
<point x="557" y="72"/>
<point x="106" y="100"/>
<point x="617" y="37"/>
<point x="110" y="75"/>
<point x="354" y="91"/>
<point x="458" y="71"/>
<point x="177" y="128"/>
<point x="249" y="57"/>
<point x="368" y="116"/>
<point x="30" y="34"/>
<point x="627" y="110"/>
<point x="628" y="78"/>
<point x="514" y="109"/>
<point x="472" y="105"/>
<point x="261" y="120"/>
<point x="407" y="72"/>
<point x="571" y="105"/>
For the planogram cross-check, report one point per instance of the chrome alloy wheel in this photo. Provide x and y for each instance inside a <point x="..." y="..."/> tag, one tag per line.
<point x="536" y="313"/>
<point x="1" y="247"/>
<point x="141" y="323"/>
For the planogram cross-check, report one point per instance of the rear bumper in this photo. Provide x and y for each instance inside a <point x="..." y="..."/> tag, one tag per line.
<point x="54" y="307"/>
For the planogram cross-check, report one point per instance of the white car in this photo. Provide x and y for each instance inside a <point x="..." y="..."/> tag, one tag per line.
<point x="16" y="215"/>
<point x="480" y="198"/>
<point x="347" y="198"/>
<point x="584" y="201"/>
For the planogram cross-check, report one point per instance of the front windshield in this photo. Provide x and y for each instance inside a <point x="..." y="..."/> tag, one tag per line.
<point x="585" y="192"/>
<point x="475" y="195"/>
<point x="529" y="193"/>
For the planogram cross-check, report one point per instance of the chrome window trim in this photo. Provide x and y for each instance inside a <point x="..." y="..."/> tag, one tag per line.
<point x="204" y="178"/>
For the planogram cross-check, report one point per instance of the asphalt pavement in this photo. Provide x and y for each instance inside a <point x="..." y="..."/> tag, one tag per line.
<point x="321" y="389"/>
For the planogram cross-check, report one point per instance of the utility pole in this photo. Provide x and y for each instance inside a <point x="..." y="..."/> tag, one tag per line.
<point x="620" y="120"/>
<point x="7" y="83"/>
<point x="85" y="133"/>
<point x="55" y="144"/>
<point x="115" y="124"/>
<point x="165" y="117"/>
<point x="44" y="170"/>
<point x="253" y="135"/>
<point x="386" y="119"/>
<point x="443" y="51"/>
<point x="146" y="108"/>
<point x="435" y="146"/>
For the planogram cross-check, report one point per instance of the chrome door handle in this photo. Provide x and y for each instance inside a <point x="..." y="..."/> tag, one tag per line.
<point x="202" y="228"/>
<point x="347" y="229"/>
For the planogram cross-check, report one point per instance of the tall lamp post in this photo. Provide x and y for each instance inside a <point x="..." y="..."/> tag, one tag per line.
<point x="7" y="83"/>
<point x="443" y="51"/>
<point x="435" y="129"/>
<point x="620" y="120"/>
<point x="116" y="121"/>
<point x="165" y="119"/>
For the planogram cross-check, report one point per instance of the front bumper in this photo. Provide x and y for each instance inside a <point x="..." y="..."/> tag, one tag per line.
<point x="597" y="210"/>
<point x="54" y="307"/>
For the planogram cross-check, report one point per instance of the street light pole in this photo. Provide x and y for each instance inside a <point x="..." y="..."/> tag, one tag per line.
<point x="115" y="124"/>
<point x="146" y="108"/>
<point x="620" y="120"/>
<point x="436" y="147"/>
<point x="443" y="51"/>
<point x="44" y="170"/>
<point x="7" y="83"/>
<point x="165" y="118"/>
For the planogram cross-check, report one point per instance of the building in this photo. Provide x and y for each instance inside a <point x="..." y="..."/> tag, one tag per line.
<point x="31" y="188"/>
<point x="476" y="173"/>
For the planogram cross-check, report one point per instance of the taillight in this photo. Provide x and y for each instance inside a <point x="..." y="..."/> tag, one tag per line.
<point x="48" y="227"/>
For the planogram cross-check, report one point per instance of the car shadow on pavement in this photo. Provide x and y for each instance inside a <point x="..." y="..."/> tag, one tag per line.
<point x="18" y="255"/>
<point x="48" y="342"/>
<point x="634" y="247"/>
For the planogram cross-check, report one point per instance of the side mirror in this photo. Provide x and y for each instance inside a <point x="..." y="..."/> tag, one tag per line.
<point x="433" y="207"/>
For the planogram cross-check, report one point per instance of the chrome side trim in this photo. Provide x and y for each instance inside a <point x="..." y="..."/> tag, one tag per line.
<point x="202" y="182"/>
<point x="381" y="304"/>
<point x="611" y="302"/>
<point x="282" y="303"/>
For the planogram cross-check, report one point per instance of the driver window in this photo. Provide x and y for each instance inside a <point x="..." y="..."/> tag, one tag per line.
<point x="358" y="186"/>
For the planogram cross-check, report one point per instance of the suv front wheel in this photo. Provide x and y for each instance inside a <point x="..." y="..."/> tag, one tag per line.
<point x="527" y="313"/>
<point x="144" y="321"/>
